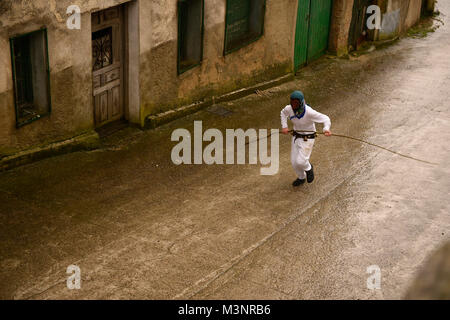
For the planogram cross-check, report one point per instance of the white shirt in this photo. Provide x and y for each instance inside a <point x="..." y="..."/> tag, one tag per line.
<point x="307" y="122"/>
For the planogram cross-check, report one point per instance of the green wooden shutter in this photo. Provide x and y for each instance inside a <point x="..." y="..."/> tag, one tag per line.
<point x="190" y="34"/>
<point x="244" y="23"/>
<point x="237" y="24"/>
<point x="319" y="28"/>
<point x="301" y="34"/>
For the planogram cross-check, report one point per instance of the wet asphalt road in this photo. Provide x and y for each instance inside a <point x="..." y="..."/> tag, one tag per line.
<point x="140" y="227"/>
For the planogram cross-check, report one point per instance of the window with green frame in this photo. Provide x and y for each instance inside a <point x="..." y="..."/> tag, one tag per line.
<point x="190" y="34"/>
<point x="30" y="66"/>
<point x="244" y="23"/>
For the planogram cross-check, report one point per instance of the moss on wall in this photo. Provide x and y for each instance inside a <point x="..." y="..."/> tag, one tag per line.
<point x="161" y="88"/>
<point x="213" y="90"/>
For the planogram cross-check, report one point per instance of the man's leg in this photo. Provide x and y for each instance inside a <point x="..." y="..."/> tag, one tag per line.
<point x="300" y="152"/>
<point x="307" y="149"/>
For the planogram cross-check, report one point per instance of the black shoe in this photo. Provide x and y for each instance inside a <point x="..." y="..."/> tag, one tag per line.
<point x="310" y="175"/>
<point x="298" y="182"/>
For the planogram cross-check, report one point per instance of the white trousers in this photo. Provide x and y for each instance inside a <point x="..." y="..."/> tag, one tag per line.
<point x="300" y="153"/>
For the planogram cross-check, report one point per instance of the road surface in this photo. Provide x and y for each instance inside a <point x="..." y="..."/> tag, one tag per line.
<point x="140" y="227"/>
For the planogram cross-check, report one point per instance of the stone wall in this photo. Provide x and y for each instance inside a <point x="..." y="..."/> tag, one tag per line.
<point x="340" y="24"/>
<point x="397" y="17"/>
<point x="162" y="89"/>
<point x="153" y="84"/>
<point x="70" y="71"/>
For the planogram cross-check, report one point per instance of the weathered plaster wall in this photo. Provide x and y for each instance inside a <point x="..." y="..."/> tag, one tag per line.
<point x="159" y="86"/>
<point x="70" y="71"/>
<point x="163" y="89"/>
<point x="398" y="16"/>
<point x="413" y="14"/>
<point x="340" y="26"/>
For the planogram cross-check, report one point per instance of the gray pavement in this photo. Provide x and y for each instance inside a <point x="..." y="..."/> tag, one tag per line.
<point x="140" y="227"/>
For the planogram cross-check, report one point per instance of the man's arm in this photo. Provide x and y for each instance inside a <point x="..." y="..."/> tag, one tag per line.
<point x="284" y="116"/>
<point x="321" y="118"/>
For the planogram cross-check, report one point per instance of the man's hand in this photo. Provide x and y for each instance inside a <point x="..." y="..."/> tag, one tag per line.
<point x="327" y="133"/>
<point x="285" y="131"/>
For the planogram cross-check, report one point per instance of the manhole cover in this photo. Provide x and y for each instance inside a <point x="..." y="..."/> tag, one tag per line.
<point x="219" y="110"/>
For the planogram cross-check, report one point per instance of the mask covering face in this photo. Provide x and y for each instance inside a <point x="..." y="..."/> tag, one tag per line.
<point x="300" y="110"/>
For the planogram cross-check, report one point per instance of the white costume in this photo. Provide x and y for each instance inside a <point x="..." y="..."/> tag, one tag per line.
<point x="301" y="150"/>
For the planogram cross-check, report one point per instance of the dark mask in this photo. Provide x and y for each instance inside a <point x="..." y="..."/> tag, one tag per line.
<point x="300" y="110"/>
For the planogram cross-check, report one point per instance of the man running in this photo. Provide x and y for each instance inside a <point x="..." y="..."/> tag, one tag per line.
<point x="303" y="118"/>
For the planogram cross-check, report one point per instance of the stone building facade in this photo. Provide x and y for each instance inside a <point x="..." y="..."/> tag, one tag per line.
<point x="398" y="16"/>
<point x="131" y="59"/>
<point x="348" y="27"/>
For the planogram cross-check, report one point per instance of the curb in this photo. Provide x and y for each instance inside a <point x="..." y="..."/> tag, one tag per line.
<point x="86" y="141"/>
<point x="154" y="121"/>
<point x="91" y="140"/>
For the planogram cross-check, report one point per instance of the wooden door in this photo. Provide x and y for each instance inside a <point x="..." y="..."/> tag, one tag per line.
<point x="358" y="23"/>
<point x="301" y="34"/>
<point x="107" y="65"/>
<point x="319" y="28"/>
<point x="312" y="30"/>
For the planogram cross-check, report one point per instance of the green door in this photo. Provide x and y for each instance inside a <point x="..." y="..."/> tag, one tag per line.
<point x="301" y="34"/>
<point x="319" y="28"/>
<point x="312" y="30"/>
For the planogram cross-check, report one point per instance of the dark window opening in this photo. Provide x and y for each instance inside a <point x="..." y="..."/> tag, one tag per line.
<point x="244" y="23"/>
<point x="190" y="34"/>
<point x="102" y="49"/>
<point x="29" y="55"/>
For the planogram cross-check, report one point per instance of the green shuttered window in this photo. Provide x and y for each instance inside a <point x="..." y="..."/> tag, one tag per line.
<point x="30" y="66"/>
<point x="190" y="34"/>
<point x="244" y="23"/>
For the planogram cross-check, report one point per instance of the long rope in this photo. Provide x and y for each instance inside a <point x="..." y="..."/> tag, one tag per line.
<point x="356" y="139"/>
<point x="369" y="143"/>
